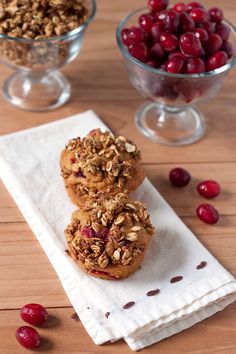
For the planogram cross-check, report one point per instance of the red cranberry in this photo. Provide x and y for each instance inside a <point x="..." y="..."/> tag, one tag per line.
<point x="158" y="52"/>
<point x="157" y="5"/>
<point x="198" y="14"/>
<point x="179" y="177"/>
<point x="169" y="20"/>
<point x="202" y="35"/>
<point x="73" y="159"/>
<point x="139" y="51"/>
<point x="177" y="54"/>
<point x="146" y="22"/>
<point x="124" y="36"/>
<point x="209" y="189"/>
<point x="195" y="66"/>
<point x="194" y="4"/>
<point x="216" y="14"/>
<point x="34" y="314"/>
<point x="208" y="26"/>
<point x="227" y="48"/>
<point x="135" y="35"/>
<point x="214" y="43"/>
<point x="152" y="63"/>
<point x="190" y="44"/>
<point x="79" y="173"/>
<point x="186" y="22"/>
<point x="223" y="31"/>
<point x="88" y="232"/>
<point x="208" y="214"/>
<point x="216" y="60"/>
<point x="180" y="7"/>
<point x="175" y="65"/>
<point x="28" y="337"/>
<point x="169" y="42"/>
<point x="156" y="31"/>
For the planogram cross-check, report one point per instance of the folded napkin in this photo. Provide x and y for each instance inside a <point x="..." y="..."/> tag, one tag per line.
<point x="179" y="284"/>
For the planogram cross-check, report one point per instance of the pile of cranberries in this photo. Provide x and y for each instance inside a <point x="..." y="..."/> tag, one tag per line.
<point x="185" y="38"/>
<point x="35" y="315"/>
<point x="209" y="189"/>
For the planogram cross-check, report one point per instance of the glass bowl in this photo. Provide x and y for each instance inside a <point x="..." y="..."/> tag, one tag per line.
<point x="36" y="84"/>
<point x="170" y="118"/>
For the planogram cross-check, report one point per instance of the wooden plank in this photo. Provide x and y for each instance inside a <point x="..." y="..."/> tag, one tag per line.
<point x="63" y="335"/>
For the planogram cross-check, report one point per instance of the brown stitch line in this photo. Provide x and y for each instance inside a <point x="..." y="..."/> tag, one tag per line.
<point x="153" y="292"/>
<point x="128" y="305"/>
<point x="107" y="314"/>
<point x="176" y="279"/>
<point x="202" y="265"/>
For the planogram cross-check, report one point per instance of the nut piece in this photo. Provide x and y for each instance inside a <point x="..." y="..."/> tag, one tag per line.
<point x="129" y="147"/>
<point x="116" y="255"/>
<point x="132" y="236"/>
<point x="136" y="228"/>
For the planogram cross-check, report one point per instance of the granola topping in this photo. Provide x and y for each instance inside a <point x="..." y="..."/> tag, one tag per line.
<point x="108" y="231"/>
<point x="105" y="156"/>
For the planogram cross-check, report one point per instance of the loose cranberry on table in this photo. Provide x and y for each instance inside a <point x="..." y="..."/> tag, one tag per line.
<point x="28" y="337"/>
<point x="34" y="314"/>
<point x="179" y="177"/>
<point x="208" y="189"/>
<point x="207" y="213"/>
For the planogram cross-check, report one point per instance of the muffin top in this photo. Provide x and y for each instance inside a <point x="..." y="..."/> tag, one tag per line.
<point x="109" y="231"/>
<point x="100" y="157"/>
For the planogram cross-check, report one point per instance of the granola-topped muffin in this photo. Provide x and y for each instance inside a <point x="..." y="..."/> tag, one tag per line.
<point x="100" y="163"/>
<point x="108" y="237"/>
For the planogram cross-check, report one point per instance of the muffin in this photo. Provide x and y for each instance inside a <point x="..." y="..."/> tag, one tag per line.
<point x="109" y="236"/>
<point x="100" y="163"/>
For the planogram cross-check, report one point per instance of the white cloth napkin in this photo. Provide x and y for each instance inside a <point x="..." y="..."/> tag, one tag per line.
<point x="29" y="167"/>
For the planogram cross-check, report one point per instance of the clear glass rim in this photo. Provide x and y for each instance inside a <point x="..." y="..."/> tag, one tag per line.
<point x="127" y="55"/>
<point x="55" y="38"/>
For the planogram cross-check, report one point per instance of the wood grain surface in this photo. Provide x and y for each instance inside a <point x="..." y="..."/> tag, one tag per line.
<point x="100" y="83"/>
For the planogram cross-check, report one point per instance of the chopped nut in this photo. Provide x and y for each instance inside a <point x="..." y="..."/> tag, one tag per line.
<point x="132" y="236"/>
<point x="103" y="260"/>
<point x="136" y="228"/>
<point x="129" y="147"/>
<point x="116" y="255"/>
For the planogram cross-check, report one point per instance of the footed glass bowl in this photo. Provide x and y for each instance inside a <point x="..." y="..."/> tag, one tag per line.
<point x="170" y="117"/>
<point x="36" y="84"/>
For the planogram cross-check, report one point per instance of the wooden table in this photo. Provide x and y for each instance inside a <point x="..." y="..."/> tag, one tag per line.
<point x="100" y="82"/>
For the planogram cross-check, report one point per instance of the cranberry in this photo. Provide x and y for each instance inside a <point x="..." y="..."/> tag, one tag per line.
<point x="28" y="337"/>
<point x="146" y="22"/>
<point x="214" y="44"/>
<point x="158" y="52"/>
<point x="216" y="60"/>
<point x="73" y="159"/>
<point x="194" y="4"/>
<point x="177" y="54"/>
<point x="124" y="36"/>
<point x="135" y="35"/>
<point x="103" y="234"/>
<point x="179" y="177"/>
<point x="152" y="63"/>
<point x="175" y="65"/>
<point x="223" y="31"/>
<point x="186" y="23"/>
<point x="180" y="7"/>
<point x="88" y="232"/>
<point x="228" y="49"/>
<point x="202" y="35"/>
<point x="169" y="20"/>
<point x="195" y="66"/>
<point x="190" y="44"/>
<point x="208" y="214"/>
<point x="157" y="5"/>
<point x="34" y="314"/>
<point x="209" y="189"/>
<point x="139" y="51"/>
<point x="216" y="14"/>
<point x="79" y="173"/>
<point x="169" y="42"/>
<point x="156" y="31"/>
<point x="208" y="26"/>
<point x="198" y="14"/>
<point x="162" y="67"/>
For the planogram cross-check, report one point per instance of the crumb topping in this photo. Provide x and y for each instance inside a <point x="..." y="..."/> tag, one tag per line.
<point x="109" y="231"/>
<point x="103" y="155"/>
